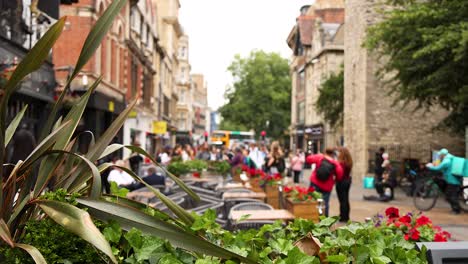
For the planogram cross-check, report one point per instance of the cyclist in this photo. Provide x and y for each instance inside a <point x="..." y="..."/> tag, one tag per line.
<point x="453" y="182"/>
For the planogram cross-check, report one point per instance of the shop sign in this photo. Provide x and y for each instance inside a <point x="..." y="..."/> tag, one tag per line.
<point x="111" y="106"/>
<point x="159" y="127"/>
<point x="132" y="114"/>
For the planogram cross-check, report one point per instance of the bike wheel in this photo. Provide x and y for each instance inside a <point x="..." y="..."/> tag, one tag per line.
<point x="425" y="195"/>
<point x="463" y="198"/>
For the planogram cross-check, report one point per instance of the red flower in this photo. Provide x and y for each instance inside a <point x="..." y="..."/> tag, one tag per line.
<point x="245" y="168"/>
<point x="287" y="189"/>
<point x="414" y="234"/>
<point x="392" y="212"/>
<point x="423" y="220"/>
<point x="311" y="189"/>
<point x="252" y="172"/>
<point x="447" y="234"/>
<point x="405" y="219"/>
<point x="439" y="237"/>
<point x="196" y="175"/>
<point x="277" y="176"/>
<point x="406" y="237"/>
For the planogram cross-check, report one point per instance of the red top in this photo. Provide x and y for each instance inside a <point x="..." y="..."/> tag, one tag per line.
<point x="326" y="186"/>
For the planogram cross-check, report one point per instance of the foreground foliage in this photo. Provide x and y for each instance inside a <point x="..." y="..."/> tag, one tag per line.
<point x="424" y="45"/>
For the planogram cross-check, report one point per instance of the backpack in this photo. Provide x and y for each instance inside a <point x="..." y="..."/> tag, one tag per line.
<point x="459" y="167"/>
<point x="325" y="170"/>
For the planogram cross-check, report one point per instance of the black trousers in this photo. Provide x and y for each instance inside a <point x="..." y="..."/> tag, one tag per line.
<point x="452" y="191"/>
<point x="297" y="174"/>
<point x="342" y="190"/>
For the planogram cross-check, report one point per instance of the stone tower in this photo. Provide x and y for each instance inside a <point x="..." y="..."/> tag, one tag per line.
<point x="370" y="118"/>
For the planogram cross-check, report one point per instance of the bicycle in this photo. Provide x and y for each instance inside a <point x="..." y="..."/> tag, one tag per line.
<point x="427" y="192"/>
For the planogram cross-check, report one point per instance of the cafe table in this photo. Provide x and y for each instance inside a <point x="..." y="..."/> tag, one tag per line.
<point x="240" y="195"/>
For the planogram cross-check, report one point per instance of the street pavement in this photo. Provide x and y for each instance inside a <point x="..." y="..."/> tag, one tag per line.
<point x="441" y="215"/>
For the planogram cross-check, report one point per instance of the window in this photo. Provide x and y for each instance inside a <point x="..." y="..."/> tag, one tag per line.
<point x="301" y="112"/>
<point x="166" y="106"/>
<point x="135" y="19"/>
<point x="182" y="96"/>
<point x="147" y="86"/>
<point x="134" y="76"/>
<point x="301" y="81"/>
<point x="182" y="75"/>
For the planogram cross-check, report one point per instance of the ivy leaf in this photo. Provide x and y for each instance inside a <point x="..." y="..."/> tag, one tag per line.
<point x="296" y="256"/>
<point x="381" y="260"/>
<point x="112" y="232"/>
<point x="134" y="238"/>
<point x="283" y="246"/>
<point x="169" y="259"/>
<point x="115" y="190"/>
<point x="327" y="222"/>
<point x="336" y="258"/>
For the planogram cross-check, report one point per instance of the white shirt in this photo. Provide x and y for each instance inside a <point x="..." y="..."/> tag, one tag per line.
<point x="120" y="177"/>
<point x="165" y="159"/>
<point x="258" y="157"/>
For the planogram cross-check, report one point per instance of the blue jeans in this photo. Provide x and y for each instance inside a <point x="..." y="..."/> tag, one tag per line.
<point x="325" y="197"/>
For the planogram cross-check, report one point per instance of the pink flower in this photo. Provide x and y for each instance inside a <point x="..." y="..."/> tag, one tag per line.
<point x="287" y="189"/>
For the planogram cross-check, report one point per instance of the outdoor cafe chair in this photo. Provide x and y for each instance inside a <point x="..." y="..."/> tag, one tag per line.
<point x="246" y="225"/>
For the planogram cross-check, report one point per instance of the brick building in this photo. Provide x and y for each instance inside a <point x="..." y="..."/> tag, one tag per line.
<point x="370" y="118"/>
<point x="111" y="61"/>
<point x="317" y="44"/>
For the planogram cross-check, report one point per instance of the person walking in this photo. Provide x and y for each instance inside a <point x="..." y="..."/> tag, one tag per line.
<point x="326" y="173"/>
<point x="275" y="162"/>
<point x="378" y="171"/>
<point x="297" y="164"/>
<point x="453" y="182"/>
<point x="343" y="186"/>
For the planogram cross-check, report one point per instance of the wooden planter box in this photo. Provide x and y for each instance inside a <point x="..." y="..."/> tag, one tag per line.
<point x="307" y="210"/>
<point x="272" y="196"/>
<point x="255" y="185"/>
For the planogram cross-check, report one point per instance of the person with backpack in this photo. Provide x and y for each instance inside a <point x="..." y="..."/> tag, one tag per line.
<point x="327" y="171"/>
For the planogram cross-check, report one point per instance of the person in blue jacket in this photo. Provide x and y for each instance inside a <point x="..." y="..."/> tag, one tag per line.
<point x="453" y="182"/>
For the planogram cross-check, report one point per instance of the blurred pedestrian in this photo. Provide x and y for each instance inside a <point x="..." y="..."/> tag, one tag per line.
<point x="326" y="173"/>
<point x="343" y="186"/>
<point x="204" y="152"/>
<point x="152" y="178"/>
<point x="297" y="164"/>
<point x="165" y="156"/>
<point x="275" y="160"/>
<point x="119" y="176"/>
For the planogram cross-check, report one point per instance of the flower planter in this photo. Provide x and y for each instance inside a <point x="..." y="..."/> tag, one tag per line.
<point x="272" y="195"/>
<point x="307" y="209"/>
<point x="255" y="185"/>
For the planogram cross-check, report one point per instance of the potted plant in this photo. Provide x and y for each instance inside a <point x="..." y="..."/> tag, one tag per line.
<point x="271" y="183"/>
<point x="255" y="176"/>
<point x="302" y="202"/>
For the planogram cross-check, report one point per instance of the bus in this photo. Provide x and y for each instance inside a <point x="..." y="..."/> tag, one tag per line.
<point x="228" y="138"/>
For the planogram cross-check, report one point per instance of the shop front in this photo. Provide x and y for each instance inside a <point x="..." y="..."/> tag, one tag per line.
<point x="314" y="139"/>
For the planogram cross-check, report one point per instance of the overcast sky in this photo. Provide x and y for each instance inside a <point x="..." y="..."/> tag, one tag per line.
<point x="219" y="29"/>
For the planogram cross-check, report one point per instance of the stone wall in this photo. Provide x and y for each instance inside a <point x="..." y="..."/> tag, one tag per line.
<point x="371" y="117"/>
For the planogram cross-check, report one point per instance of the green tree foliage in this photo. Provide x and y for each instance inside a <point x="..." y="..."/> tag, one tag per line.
<point x="261" y="93"/>
<point x="425" y="46"/>
<point x="331" y="97"/>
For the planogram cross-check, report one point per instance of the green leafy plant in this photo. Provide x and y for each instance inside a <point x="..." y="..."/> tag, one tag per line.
<point x="330" y="102"/>
<point x="221" y="167"/>
<point x="178" y="168"/>
<point x="197" y="165"/>
<point x="60" y="168"/>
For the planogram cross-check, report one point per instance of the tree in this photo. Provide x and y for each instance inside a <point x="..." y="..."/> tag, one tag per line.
<point x="260" y="97"/>
<point x="425" y="46"/>
<point x="330" y="100"/>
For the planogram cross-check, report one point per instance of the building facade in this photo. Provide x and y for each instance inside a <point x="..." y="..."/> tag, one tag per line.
<point x="111" y="61"/>
<point x="170" y="31"/>
<point x="200" y="106"/>
<point x="143" y="47"/>
<point x="184" y="112"/>
<point x="21" y="25"/>
<point x="371" y="119"/>
<point x="317" y="44"/>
